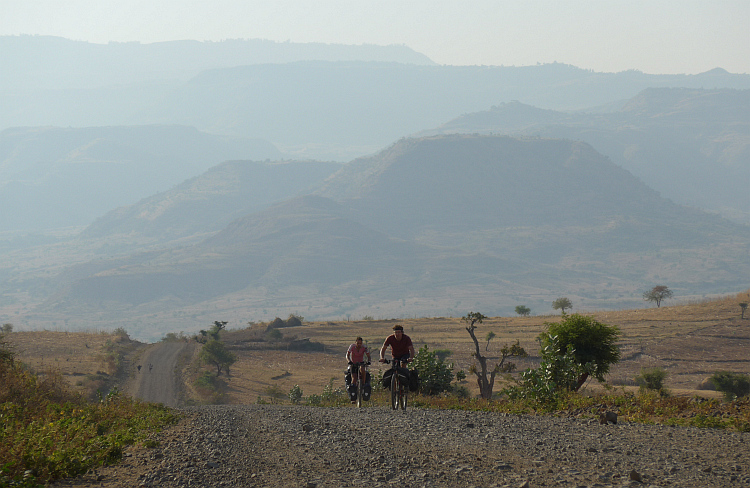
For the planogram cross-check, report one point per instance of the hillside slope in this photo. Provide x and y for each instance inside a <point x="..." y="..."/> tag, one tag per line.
<point x="431" y="226"/>
<point x="691" y="145"/>
<point x="209" y="202"/>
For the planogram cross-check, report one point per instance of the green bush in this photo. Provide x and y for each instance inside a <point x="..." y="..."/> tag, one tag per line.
<point x="206" y="380"/>
<point x="435" y="374"/>
<point x="732" y="385"/>
<point x="558" y="373"/>
<point x="295" y="395"/>
<point x="592" y="342"/>
<point x="652" y="379"/>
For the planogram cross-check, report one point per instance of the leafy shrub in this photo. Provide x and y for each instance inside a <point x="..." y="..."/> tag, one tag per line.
<point x="206" y="380"/>
<point x="652" y="379"/>
<point x="435" y="374"/>
<point x="557" y="374"/>
<point x="295" y="395"/>
<point x="732" y="385"/>
<point x="314" y="400"/>
<point x="274" y="391"/>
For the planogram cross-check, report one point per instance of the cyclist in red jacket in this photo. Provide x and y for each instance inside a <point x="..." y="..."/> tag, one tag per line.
<point x="401" y="346"/>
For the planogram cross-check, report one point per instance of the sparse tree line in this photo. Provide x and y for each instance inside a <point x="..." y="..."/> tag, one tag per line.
<point x="656" y="295"/>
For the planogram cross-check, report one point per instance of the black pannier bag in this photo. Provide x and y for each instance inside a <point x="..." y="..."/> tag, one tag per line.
<point x="348" y="378"/>
<point x="403" y="376"/>
<point x="387" y="379"/>
<point x="367" y="388"/>
<point x="413" y="380"/>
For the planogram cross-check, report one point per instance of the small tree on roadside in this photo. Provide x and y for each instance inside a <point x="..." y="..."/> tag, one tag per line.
<point x="486" y="385"/>
<point x="743" y="306"/>
<point x="7" y="328"/>
<point x="523" y="310"/>
<point x="561" y="304"/>
<point x="657" y="294"/>
<point x="214" y="352"/>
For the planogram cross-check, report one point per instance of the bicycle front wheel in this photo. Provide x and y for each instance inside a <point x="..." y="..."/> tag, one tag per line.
<point x="403" y="394"/>
<point x="359" y="394"/>
<point x="394" y="391"/>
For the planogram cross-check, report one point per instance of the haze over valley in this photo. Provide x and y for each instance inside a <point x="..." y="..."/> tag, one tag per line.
<point x="160" y="187"/>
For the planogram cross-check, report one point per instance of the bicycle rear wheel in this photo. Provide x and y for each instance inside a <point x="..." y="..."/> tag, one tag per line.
<point x="394" y="390"/>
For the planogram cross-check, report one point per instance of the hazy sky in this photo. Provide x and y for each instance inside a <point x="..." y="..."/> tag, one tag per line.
<point x="654" y="36"/>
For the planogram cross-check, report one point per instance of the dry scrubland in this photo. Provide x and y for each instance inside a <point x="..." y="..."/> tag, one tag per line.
<point x="690" y="341"/>
<point x="87" y="361"/>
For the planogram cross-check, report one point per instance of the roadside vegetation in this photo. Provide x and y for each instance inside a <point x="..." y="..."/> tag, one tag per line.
<point x="48" y="432"/>
<point x="572" y="351"/>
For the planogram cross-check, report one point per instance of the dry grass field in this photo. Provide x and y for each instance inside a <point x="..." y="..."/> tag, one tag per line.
<point x="690" y="341"/>
<point x="86" y="360"/>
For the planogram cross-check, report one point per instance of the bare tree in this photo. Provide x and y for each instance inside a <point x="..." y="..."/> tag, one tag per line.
<point x="657" y="294"/>
<point x="486" y="384"/>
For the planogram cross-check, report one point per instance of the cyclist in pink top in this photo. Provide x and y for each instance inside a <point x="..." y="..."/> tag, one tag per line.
<point x="356" y="354"/>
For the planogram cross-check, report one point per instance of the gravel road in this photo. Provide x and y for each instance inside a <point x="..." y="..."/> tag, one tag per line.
<point x="309" y="447"/>
<point x="155" y="382"/>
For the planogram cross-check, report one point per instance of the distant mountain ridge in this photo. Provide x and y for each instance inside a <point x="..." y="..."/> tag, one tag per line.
<point x="48" y="62"/>
<point x="335" y="107"/>
<point x="691" y="145"/>
<point x="53" y="177"/>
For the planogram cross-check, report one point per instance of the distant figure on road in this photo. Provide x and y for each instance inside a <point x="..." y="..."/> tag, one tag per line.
<point x="139" y="368"/>
<point x="150" y="367"/>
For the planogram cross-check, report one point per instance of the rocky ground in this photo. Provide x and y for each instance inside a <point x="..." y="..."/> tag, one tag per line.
<point x="309" y="447"/>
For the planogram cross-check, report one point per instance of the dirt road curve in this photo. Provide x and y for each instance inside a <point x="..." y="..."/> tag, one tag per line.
<point x="156" y="380"/>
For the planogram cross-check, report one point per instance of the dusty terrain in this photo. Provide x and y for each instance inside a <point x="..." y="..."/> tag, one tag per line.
<point x="309" y="447"/>
<point x="280" y="445"/>
<point x="690" y="341"/>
